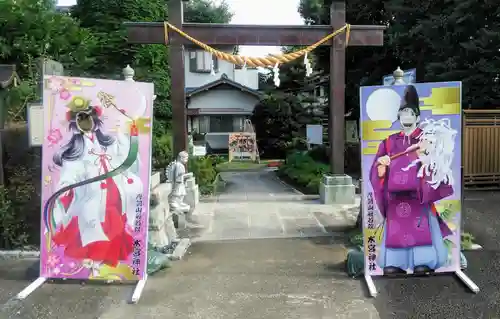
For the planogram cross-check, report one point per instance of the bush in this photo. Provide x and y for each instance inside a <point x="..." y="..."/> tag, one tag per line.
<point x="303" y="171"/>
<point x="280" y="122"/>
<point x="18" y="204"/>
<point x="203" y="168"/>
<point x="352" y="157"/>
<point x="163" y="153"/>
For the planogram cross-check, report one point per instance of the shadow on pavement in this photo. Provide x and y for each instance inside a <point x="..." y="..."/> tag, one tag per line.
<point x="445" y="296"/>
<point x="19" y="269"/>
<point x="64" y="300"/>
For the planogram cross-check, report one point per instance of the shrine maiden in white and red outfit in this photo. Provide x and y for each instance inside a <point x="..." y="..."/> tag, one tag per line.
<point x="96" y="221"/>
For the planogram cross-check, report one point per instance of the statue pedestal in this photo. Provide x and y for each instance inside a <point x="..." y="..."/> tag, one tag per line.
<point x="337" y="189"/>
<point x="193" y="193"/>
<point x="161" y="227"/>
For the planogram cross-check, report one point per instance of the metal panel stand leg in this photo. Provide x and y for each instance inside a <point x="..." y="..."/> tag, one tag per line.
<point x="371" y="286"/>
<point x="467" y="281"/>
<point x="31" y="287"/>
<point x="136" y="295"/>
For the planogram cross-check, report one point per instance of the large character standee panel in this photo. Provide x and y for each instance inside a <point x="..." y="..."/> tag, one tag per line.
<point x="411" y="141"/>
<point x="96" y="177"/>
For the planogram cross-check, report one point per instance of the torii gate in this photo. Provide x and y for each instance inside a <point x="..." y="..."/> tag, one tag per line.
<point x="268" y="35"/>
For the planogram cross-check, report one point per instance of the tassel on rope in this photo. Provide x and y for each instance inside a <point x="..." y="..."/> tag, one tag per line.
<point x="212" y="67"/>
<point x="307" y="63"/>
<point x="276" y="72"/>
<point x="244" y="68"/>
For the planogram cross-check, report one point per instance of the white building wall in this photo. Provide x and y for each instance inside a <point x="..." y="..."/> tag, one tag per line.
<point x="249" y="77"/>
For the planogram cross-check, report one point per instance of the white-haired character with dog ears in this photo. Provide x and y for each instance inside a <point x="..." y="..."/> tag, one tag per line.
<point x="411" y="171"/>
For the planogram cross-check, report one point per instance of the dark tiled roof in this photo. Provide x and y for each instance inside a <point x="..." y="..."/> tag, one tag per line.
<point x="223" y="80"/>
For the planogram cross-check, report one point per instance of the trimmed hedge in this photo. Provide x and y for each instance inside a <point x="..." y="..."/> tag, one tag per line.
<point x="303" y="172"/>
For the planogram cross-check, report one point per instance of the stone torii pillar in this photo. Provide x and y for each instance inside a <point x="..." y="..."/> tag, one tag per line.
<point x="268" y="35"/>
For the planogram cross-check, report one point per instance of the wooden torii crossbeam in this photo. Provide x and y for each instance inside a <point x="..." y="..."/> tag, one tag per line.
<point x="265" y="35"/>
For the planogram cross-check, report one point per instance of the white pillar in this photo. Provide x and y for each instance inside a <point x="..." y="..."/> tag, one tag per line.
<point x="128" y="73"/>
<point x="398" y="77"/>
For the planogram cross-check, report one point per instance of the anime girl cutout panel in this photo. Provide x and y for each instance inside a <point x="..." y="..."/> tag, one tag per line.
<point x="92" y="212"/>
<point x="410" y="172"/>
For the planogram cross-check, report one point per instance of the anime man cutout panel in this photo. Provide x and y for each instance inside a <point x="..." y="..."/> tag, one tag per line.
<point x="407" y="179"/>
<point x="95" y="221"/>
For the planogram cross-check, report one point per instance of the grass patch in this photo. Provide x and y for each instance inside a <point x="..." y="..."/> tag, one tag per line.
<point x="239" y="166"/>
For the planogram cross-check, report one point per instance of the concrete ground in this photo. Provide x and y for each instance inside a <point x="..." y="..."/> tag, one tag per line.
<point x="252" y="279"/>
<point x="259" y="205"/>
<point x="445" y="297"/>
<point x="273" y="278"/>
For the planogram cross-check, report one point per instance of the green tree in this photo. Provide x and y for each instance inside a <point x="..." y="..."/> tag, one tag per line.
<point x="364" y="65"/>
<point x="280" y="122"/>
<point x="445" y="40"/>
<point x="33" y="29"/>
<point x="463" y="44"/>
<point x="105" y="18"/>
<point x="207" y="11"/>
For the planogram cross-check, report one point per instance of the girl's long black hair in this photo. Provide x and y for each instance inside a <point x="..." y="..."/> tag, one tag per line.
<point x="74" y="149"/>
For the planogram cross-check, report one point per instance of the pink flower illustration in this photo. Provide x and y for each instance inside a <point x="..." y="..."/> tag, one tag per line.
<point x="55" y="84"/>
<point x="60" y="86"/>
<point x="64" y="94"/>
<point x="56" y="271"/>
<point x="52" y="260"/>
<point x="55" y="136"/>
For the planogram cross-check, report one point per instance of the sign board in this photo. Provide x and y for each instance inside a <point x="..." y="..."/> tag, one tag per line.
<point x="351" y="131"/>
<point x="314" y="133"/>
<point x="95" y="218"/>
<point x="35" y="124"/>
<point x="410" y="76"/>
<point x="199" y="150"/>
<point x="412" y="185"/>
<point x="242" y="146"/>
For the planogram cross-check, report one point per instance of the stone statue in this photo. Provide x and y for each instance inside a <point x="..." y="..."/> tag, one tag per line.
<point x="177" y="176"/>
<point x="190" y="144"/>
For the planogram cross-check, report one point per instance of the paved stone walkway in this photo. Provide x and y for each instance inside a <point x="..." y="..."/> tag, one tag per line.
<point x="297" y="278"/>
<point x="258" y="205"/>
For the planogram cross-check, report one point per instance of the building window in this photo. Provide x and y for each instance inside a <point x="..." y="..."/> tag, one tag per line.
<point x="221" y="123"/>
<point x="201" y="62"/>
<point x="218" y="124"/>
<point x="203" y="124"/>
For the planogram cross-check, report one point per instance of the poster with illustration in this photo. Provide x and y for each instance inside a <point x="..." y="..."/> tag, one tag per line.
<point x="95" y="178"/>
<point x="411" y="144"/>
<point x="242" y="146"/>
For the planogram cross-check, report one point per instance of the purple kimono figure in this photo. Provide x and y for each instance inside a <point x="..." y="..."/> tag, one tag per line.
<point x="413" y="232"/>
